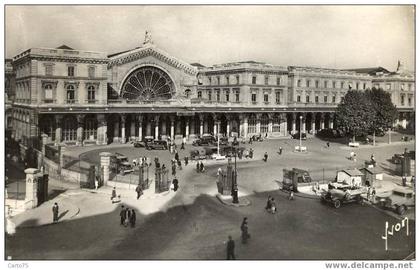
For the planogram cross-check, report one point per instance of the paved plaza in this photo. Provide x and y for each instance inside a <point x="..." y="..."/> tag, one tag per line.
<point x="193" y="224"/>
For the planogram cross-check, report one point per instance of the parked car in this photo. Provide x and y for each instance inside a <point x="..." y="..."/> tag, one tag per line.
<point x="341" y="194"/>
<point x="205" y="140"/>
<point x="122" y="165"/>
<point x="157" y="145"/>
<point x="399" y="200"/>
<point x="143" y="143"/>
<point x="297" y="136"/>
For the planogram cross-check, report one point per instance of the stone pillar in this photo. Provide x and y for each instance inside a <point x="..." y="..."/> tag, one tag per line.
<point x="304" y="123"/>
<point x="80" y="125"/>
<point x="293" y="123"/>
<point x="215" y="131"/>
<point x="101" y="132"/>
<point x="187" y="127"/>
<point x="284" y="117"/>
<point x="123" y="118"/>
<point x="201" y="124"/>
<point x="241" y="126"/>
<point x="156" y="127"/>
<point x="140" y="122"/>
<point x="331" y="123"/>
<point x="313" y="127"/>
<point x="206" y="125"/>
<point x="172" y="118"/>
<point x="105" y="162"/>
<point x="322" y="121"/>
<point x="31" y="197"/>
<point x="58" y="121"/>
<point x="117" y="130"/>
<point x="245" y="126"/>
<point x="228" y="118"/>
<point x="44" y="142"/>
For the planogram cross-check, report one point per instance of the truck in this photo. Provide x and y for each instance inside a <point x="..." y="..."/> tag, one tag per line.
<point x="339" y="194"/>
<point x="399" y="200"/>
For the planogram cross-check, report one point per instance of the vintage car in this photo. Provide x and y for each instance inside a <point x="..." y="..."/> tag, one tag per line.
<point x="297" y="136"/>
<point x="121" y="164"/>
<point x="205" y="140"/>
<point x="143" y="143"/>
<point x="399" y="200"/>
<point x="157" y="145"/>
<point x="202" y="153"/>
<point x="339" y="194"/>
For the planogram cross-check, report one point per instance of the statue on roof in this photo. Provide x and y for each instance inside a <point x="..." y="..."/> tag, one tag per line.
<point x="148" y="38"/>
<point x="400" y="66"/>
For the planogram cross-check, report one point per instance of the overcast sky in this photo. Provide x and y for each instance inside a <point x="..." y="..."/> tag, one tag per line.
<point x="320" y="36"/>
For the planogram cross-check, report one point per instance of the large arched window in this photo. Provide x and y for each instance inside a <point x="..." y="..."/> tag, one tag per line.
<point x="276" y="123"/>
<point x="264" y="124"/>
<point x="252" y="124"/>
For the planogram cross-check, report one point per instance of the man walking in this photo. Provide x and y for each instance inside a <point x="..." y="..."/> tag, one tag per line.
<point x="265" y="157"/>
<point x="133" y="218"/>
<point x="230" y="249"/>
<point x="55" y="212"/>
<point x="122" y="215"/>
<point x="280" y="150"/>
<point x="139" y="191"/>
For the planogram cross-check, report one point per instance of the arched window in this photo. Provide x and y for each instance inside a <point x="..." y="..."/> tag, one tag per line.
<point x="276" y="123"/>
<point x="70" y="94"/>
<point x="252" y="124"/>
<point x="264" y="124"/>
<point x="187" y="93"/>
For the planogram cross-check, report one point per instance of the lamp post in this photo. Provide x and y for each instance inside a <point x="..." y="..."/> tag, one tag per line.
<point x="234" y="182"/>
<point x="300" y="134"/>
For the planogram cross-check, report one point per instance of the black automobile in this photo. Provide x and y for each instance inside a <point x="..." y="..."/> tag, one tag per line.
<point x="157" y="145"/>
<point x="206" y="140"/>
<point x="297" y="136"/>
<point x="146" y="140"/>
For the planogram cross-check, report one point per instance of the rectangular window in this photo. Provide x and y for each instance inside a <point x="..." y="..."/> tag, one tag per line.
<point x="333" y="84"/>
<point x="325" y="99"/>
<point x="402" y="100"/>
<point x="388" y="86"/>
<point x="266" y="80"/>
<point x="218" y="95"/>
<point x="227" y="95"/>
<point x="227" y="80"/>
<point x="325" y="84"/>
<point x="218" y="80"/>
<point x="316" y="84"/>
<point x="364" y="86"/>
<point x="199" y="94"/>
<point x="237" y="79"/>
<point x="299" y="83"/>
<point x="254" y="98"/>
<point x="210" y="80"/>
<point x="237" y="95"/>
<point x="298" y="98"/>
<point x="316" y="99"/>
<point x="254" y="80"/>
<point x="266" y="98"/>
<point x="409" y="101"/>
<point x="342" y="85"/>
<point x="278" y="97"/>
<point x="308" y="99"/>
<point x="357" y="86"/>
<point x="333" y="99"/>
<point x="308" y="83"/>
<point x="91" y="72"/>
<point x="278" y="80"/>
<point x="209" y="94"/>
<point x="91" y="95"/>
<point x="48" y="70"/>
<point x="70" y="71"/>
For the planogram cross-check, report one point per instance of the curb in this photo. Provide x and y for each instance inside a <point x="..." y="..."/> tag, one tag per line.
<point x="242" y="201"/>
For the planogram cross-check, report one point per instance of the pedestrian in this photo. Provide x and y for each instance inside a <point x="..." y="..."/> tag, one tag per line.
<point x="265" y="157"/>
<point x="175" y="184"/>
<point x="133" y="218"/>
<point x="134" y="162"/>
<point x="201" y="167"/>
<point x="246" y="154"/>
<point x="373" y="194"/>
<point x="230" y="249"/>
<point x="197" y="166"/>
<point x="127" y="217"/>
<point x="182" y="146"/>
<point x="113" y="194"/>
<point x="291" y="195"/>
<point x="328" y="144"/>
<point x="244" y="229"/>
<point x="268" y="205"/>
<point x="219" y="171"/>
<point x="179" y="164"/>
<point x="122" y="215"/>
<point x="163" y="167"/>
<point x="404" y="181"/>
<point x="186" y="160"/>
<point x="273" y="208"/>
<point x="280" y="150"/>
<point x="139" y="191"/>
<point x="96" y="183"/>
<point x="173" y="169"/>
<point x="55" y="212"/>
<point x="251" y="153"/>
<point x="368" y="193"/>
<point x="176" y="156"/>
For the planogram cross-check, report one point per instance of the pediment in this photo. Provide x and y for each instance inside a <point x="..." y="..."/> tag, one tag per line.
<point x="150" y="50"/>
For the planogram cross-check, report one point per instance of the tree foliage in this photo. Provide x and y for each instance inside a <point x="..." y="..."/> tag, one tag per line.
<point x="355" y="113"/>
<point x="385" y="110"/>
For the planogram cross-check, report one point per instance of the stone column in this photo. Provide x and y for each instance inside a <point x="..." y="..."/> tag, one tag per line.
<point x="123" y="118"/>
<point x="187" y="127"/>
<point x="293" y="123"/>
<point x="105" y="162"/>
<point x="116" y="130"/>
<point x="172" y="119"/>
<point x="215" y="131"/>
<point x="322" y="121"/>
<point x="331" y="123"/>
<point x="80" y="125"/>
<point x="31" y="197"/>
<point x="201" y="124"/>
<point x="245" y="126"/>
<point x="156" y="127"/>
<point x="228" y="118"/>
<point x="241" y="126"/>
<point x="140" y="122"/>
<point x="193" y="131"/>
<point x="304" y="122"/>
<point x="58" y="121"/>
<point x="101" y="137"/>
<point x="313" y="127"/>
<point x="284" y="117"/>
<point x="44" y="142"/>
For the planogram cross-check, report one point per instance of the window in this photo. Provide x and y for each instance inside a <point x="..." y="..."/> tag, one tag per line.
<point x="218" y="95"/>
<point x="91" y="94"/>
<point x="278" y="100"/>
<point x="364" y="86"/>
<point x="316" y="84"/>
<point x="90" y="129"/>
<point x="276" y="123"/>
<point x="403" y="87"/>
<point x="325" y="99"/>
<point x="325" y="84"/>
<point x="316" y="99"/>
<point x="237" y="95"/>
<point x="48" y="93"/>
<point x="410" y="87"/>
<point x="48" y="70"/>
<point x="237" y="79"/>
<point x="357" y="86"/>
<point x="299" y="83"/>
<point x="298" y="98"/>
<point x="264" y="123"/>
<point x="70" y="94"/>
<point x="265" y="98"/>
<point x="227" y="95"/>
<point x="218" y="80"/>
<point x="199" y="94"/>
<point x="278" y="80"/>
<point x="266" y="80"/>
<point x="350" y="86"/>
<point x="388" y="86"/>
<point x="91" y="72"/>
<point x="210" y="80"/>
<point x="227" y="80"/>
<point x="254" y="98"/>
<point x="342" y="85"/>
<point x="333" y="99"/>
<point x="308" y="99"/>
<point x="254" y="80"/>
<point x="187" y="93"/>
<point x="334" y="84"/>
<point x="409" y="101"/>
<point x="308" y="83"/>
<point x="70" y="71"/>
<point x="209" y="94"/>
<point x="402" y="100"/>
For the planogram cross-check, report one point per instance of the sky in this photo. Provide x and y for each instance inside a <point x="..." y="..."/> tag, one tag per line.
<point x="319" y="36"/>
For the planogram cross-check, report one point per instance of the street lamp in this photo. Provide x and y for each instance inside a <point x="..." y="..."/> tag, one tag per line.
<point x="300" y="134"/>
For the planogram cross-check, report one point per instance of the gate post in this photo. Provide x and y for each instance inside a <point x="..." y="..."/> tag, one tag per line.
<point x="105" y="162"/>
<point x="31" y="196"/>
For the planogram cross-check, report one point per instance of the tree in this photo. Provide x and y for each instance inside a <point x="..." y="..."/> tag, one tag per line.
<point x="355" y="114"/>
<point x="385" y="110"/>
